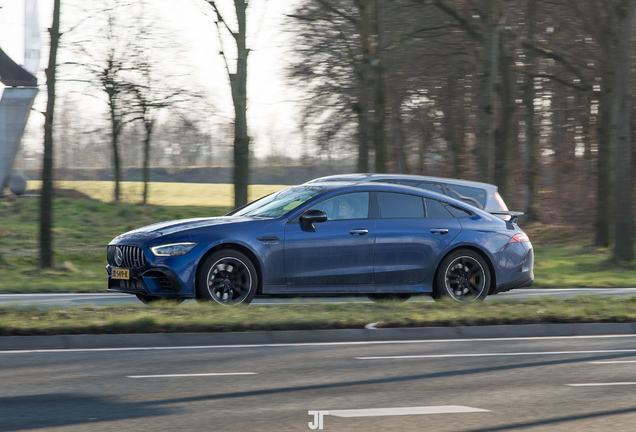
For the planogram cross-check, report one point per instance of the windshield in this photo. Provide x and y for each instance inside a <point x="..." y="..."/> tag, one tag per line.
<point x="280" y="203"/>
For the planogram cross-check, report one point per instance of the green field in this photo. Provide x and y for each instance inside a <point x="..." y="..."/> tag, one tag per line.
<point x="164" y="194"/>
<point x="83" y="228"/>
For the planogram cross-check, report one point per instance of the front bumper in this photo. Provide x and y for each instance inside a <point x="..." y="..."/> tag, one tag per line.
<point x="147" y="280"/>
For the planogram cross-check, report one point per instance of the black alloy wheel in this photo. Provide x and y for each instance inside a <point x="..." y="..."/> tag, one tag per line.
<point x="228" y="277"/>
<point x="463" y="276"/>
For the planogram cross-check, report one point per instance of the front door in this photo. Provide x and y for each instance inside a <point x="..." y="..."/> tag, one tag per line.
<point x="338" y="251"/>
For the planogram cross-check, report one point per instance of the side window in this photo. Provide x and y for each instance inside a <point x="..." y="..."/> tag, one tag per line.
<point x="436" y="210"/>
<point x="474" y="196"/>
<point x="433" y="187"/>
<point x="347" y="206"/>
<point x="400" y="206"/>
<point x="407" y="183"/>
<point x="458" y="213"/>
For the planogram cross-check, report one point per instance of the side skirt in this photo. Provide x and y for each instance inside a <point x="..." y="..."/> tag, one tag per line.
<point x="345" y="289"/>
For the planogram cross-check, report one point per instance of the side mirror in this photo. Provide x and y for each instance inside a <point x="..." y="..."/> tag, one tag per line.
<point x="312" y="216"/>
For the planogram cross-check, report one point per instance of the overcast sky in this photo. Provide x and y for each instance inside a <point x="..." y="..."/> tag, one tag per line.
<point x="272" y="104"/>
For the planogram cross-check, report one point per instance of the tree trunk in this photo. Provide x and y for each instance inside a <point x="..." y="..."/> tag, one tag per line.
<point x="603" y="177"/>
<point x="621" y="137"/>
<point x="503" y="136"/>
<point x="116" y="128"/>
<point x="364" y="131"/>
<point x="532" y="141"/>
<point x="239" y="97"/>
<point x="148" y="126"/>
<point x="424" y="144"/>
<point x="379" y="102"/>
<point x="532" y="152"/>
<point x="46" y="203"/>
<point x="485" y="138"/>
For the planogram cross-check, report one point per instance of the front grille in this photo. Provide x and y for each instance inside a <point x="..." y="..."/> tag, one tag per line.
<point x="132" y="256"/>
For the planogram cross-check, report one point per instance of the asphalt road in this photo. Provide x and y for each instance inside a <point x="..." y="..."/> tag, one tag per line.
<point x="103" y="299"/>
<point x="539" y="384"/>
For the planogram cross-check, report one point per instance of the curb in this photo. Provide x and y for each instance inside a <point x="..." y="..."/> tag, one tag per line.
<point x="165" y="340"/>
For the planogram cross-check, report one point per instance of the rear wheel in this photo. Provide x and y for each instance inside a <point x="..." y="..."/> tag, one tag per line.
<point x="150" y="300"/>
<point x="388" y="297"/>
<point x="227" y="277"/>
<point x="463" y="276"/>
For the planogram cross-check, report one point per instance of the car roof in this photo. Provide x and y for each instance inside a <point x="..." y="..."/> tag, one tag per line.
<point x="369" y="177"/>
<point x="352" y="186"/>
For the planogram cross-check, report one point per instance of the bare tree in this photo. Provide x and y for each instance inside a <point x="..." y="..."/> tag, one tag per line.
<point x="238" y="84"/>
<point x="107" y="57"/>
<point x="153" y="94"/>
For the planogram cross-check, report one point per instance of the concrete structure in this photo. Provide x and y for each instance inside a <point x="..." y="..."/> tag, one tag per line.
<point x="15" y="106"/>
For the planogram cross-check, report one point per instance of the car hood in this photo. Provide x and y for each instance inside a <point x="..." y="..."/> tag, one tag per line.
<point x="175" y="226"/>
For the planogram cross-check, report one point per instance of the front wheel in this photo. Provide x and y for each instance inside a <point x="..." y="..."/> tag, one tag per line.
<point x="463" y="276"/>
<point x="227" y="277"/>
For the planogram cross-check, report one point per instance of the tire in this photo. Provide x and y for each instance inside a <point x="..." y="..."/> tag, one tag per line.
<point x="463" y="276"/>
<point x="376" y="298"/>
<point x="227" y="277"/>
<point x="151" y="300"/>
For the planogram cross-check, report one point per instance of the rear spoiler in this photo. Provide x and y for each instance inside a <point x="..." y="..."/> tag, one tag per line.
<point x="508" y="216"/>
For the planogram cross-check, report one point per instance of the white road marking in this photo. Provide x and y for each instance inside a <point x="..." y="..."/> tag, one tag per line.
<point x="377" y="412"/>
<point x="601" y="384"/>
<point x="192" y="375"/>
<point x="371" y="326"/>
<point x="494" y="354"/>
<point x="320" y="344"/>
<point x="613" y="362"/>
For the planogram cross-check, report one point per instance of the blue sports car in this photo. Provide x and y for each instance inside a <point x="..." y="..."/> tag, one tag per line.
<point x="381" y="240"/>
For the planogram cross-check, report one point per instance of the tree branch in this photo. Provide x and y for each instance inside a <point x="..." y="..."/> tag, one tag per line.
<point x="465" y="24"/>
<point x="335" y="11"/>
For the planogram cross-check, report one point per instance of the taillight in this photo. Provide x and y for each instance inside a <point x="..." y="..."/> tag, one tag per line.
<point x="501" y="202"/>
<point x="519" y="238"/>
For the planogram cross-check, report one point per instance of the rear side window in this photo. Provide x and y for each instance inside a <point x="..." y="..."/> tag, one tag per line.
<point x="458" y="213"/>
<point x="400" y="206"/>
<point x="407" y="183"/>
<point x="436" y="210"/>
<point x="474" y="196"/>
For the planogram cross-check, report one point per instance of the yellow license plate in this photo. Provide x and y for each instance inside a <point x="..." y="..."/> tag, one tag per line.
<point x="120" y="274"/>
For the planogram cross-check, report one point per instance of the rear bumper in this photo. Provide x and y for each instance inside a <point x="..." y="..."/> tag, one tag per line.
<point x="521" y="283"/>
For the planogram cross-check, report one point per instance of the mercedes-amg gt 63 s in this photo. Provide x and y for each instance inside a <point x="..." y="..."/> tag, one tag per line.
<point x="385" y="241"/>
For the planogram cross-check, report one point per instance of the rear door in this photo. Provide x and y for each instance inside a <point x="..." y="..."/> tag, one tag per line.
<point x="411" y="232"/>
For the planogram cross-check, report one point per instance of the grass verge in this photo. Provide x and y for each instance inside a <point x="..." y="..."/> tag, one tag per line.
<point x="82" y="229"/>
<point x="213" y="318"/>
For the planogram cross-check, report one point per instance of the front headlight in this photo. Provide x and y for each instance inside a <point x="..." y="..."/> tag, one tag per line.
<point x="173" y="249"/>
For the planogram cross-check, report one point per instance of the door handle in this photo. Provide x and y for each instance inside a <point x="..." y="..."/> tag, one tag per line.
<point x="439" y="231"/>
<point x="359" y="231"/>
